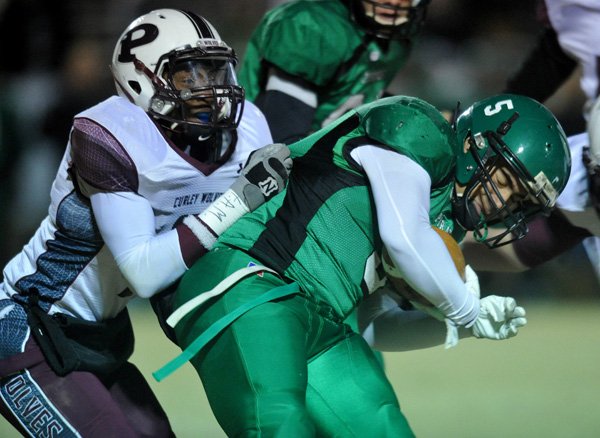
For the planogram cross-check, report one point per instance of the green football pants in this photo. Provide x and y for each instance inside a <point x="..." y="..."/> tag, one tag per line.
<point x="287" y="367"/>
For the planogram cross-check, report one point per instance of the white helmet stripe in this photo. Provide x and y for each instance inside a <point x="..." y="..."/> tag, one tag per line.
<point x="203" y="28"/>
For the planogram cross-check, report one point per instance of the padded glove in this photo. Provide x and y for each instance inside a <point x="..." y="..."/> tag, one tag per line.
<point x="499" y="318"/>
<point x="264" y="175"/>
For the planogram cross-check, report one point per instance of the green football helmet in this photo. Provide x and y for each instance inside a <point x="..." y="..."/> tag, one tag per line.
<point x="522" y="136"/>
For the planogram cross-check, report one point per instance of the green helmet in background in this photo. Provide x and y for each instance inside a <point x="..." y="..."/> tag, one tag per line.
<point x="521" y="135"/>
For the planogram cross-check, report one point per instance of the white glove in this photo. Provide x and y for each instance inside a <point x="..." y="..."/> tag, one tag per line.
<point x="499" y="318"/>
<point x="264" y="175"/>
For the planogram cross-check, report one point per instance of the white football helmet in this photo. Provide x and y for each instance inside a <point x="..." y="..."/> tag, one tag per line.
<point x="174" y="65"/>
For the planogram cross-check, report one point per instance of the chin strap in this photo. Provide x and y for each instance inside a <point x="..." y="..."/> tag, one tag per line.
<point x="479" y="236"/>
<point x="140" y="66"/>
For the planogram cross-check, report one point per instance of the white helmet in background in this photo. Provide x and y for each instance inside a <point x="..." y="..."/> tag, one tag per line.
<point x="174" y="65"/>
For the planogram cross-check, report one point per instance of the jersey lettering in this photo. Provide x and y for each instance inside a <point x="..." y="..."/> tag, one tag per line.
<point x="32" y="407"/>
<point x="181" y="201"/>
<point x="150" y="33"/>
<point x="268" y="186"/>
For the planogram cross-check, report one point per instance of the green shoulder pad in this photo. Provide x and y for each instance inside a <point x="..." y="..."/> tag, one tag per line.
<point x="416" y="129"/>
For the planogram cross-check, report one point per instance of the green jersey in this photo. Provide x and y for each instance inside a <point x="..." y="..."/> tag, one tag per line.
<point x="317" y="42"/>
<point x="321" y="231"/>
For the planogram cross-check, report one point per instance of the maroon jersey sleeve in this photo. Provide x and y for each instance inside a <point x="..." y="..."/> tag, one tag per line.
<point x="547" y="238"/>
<point x="100" y="160"/>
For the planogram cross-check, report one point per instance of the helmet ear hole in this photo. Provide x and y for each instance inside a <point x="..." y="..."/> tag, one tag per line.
<point x="135" y="86"/>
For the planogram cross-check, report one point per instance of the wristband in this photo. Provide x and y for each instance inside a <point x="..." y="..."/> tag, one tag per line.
<point x="222" y="213"/>
<point x="200" y="230"/>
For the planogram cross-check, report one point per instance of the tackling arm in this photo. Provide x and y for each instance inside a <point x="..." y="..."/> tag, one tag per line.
<point x="150" y="262"/>
<point x="547" y="238"/>
<point x="545" y="69"/>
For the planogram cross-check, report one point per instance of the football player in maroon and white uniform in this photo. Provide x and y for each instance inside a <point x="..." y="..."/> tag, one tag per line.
<point x="148" y="180"/>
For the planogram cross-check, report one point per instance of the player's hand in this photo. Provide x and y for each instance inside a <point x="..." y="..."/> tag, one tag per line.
<point x="499" y="318"/>
<point x="264" y="175"/>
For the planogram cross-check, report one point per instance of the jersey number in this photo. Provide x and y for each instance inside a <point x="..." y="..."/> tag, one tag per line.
<point x="489" y="111"/>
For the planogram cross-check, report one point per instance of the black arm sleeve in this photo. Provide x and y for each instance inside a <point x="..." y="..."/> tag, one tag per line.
<point x="544" y="70"/>
<point x="289" y="118"/>
<point x="547" y="238"/>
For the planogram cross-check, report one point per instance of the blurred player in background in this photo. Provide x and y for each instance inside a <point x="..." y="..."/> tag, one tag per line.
<point x="278" y="359"/>
<point x="571" y="38"/>
<point x="130" y="211"/>
<point x="310" y="61"/>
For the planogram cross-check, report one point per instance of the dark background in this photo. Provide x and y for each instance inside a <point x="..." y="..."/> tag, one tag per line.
<point x="54" y="58"/>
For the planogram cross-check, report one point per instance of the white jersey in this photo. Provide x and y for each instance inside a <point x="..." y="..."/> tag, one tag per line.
<point x="574" y="202"/>
<point x="68" y="260"/>
<point x="577" y="25"/>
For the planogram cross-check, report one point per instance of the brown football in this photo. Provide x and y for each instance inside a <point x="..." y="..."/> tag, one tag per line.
<point x="403" y="288"/>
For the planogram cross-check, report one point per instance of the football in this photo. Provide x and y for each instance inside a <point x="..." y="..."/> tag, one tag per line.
<point x="395" y="276"/>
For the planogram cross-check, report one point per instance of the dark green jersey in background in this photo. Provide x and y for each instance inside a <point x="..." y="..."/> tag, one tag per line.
<point x="317" y="42"/>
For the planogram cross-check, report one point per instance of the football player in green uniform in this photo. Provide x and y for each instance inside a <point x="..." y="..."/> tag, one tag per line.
<point x="261" y="316"/>
<point x="310" y="61"/>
